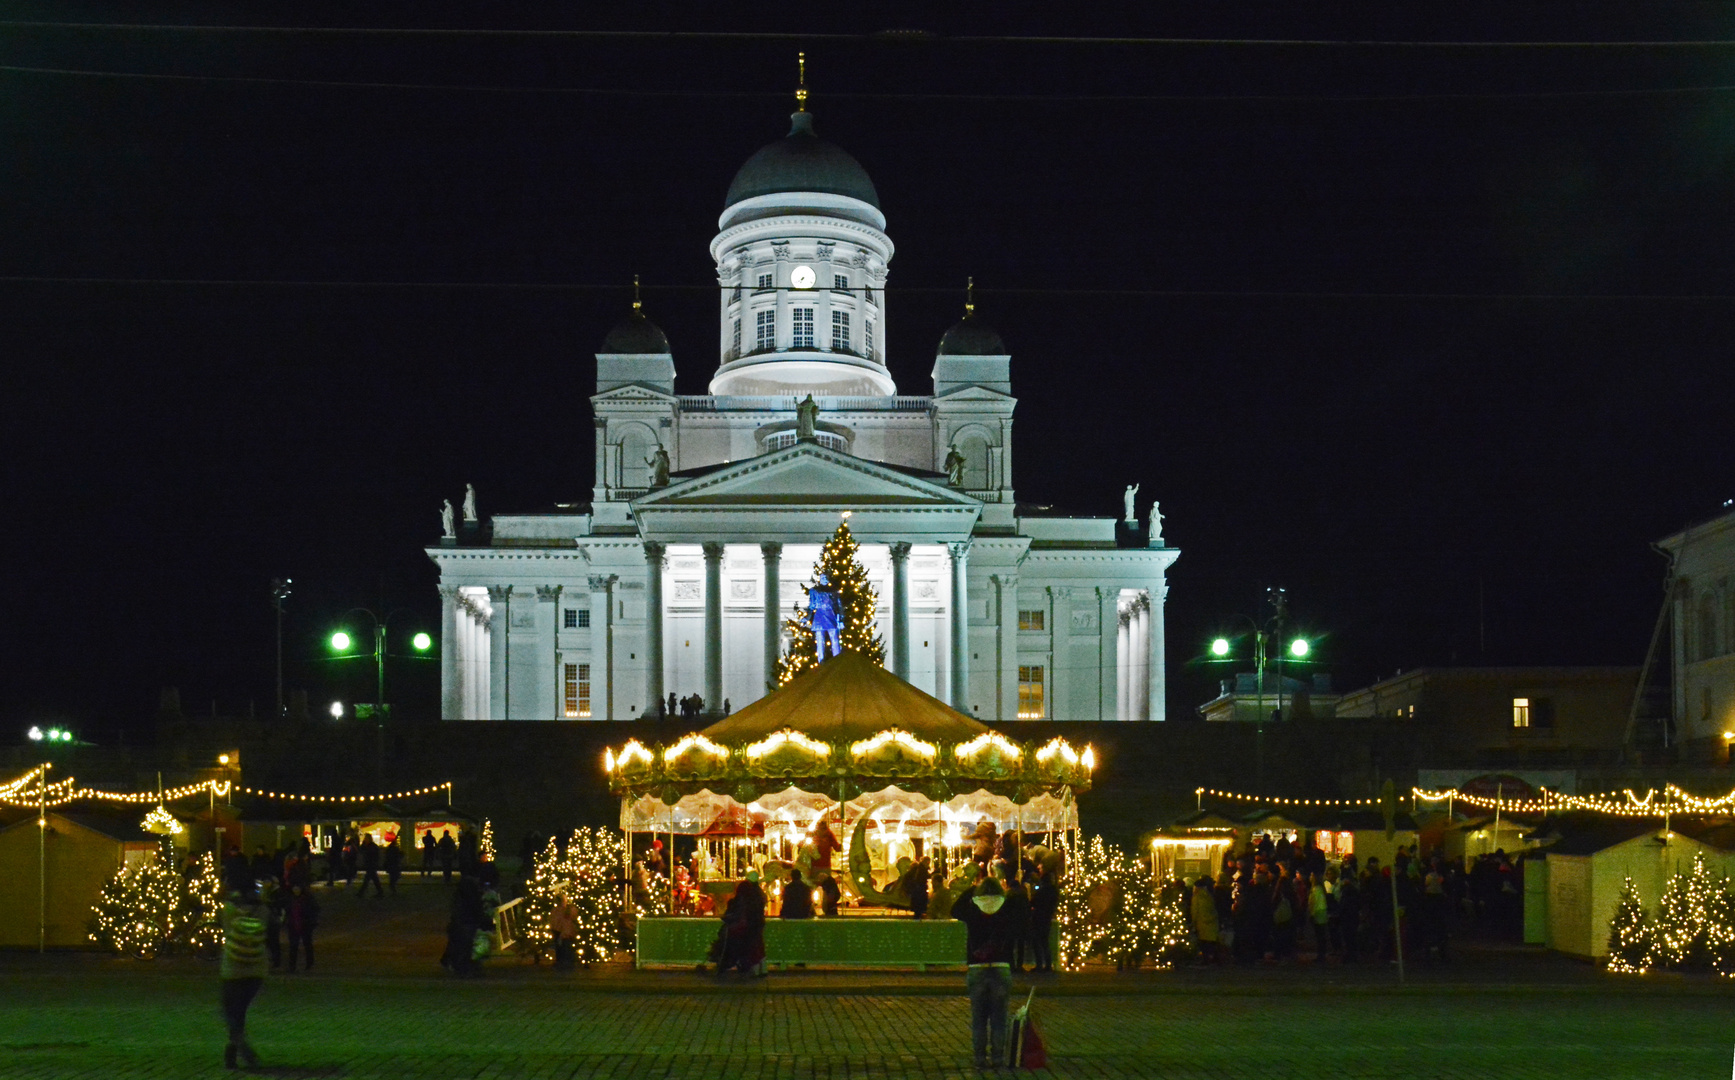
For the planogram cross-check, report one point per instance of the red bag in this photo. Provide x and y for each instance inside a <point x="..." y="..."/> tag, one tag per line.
<point x="1025" y="1047"/>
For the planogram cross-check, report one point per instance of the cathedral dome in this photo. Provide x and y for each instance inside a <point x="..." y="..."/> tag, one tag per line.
<point x="801" y="161"/>
<point x="972" y="337"/>
<point x="635" y="334"/>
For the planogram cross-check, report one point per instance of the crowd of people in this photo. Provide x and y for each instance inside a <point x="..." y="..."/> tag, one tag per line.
<point x="1278" y="902"/>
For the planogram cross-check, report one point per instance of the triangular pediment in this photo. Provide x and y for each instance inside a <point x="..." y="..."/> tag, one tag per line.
<point x="805" y="475"/>
<point x="975" y="393"/>
<point x="630" y="394"/>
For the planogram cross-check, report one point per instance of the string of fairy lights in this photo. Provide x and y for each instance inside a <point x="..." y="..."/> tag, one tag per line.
<point x="1671" y="799"/>
<point x="30" y="790"/>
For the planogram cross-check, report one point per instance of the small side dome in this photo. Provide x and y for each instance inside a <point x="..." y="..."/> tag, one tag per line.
<point x="635" y="334"/>
<point x="972" y="337"/>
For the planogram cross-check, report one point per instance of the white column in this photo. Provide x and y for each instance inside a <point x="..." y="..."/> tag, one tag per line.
<point x="1006" y="646"/>
<point x="771" y="553"/>
<point x="714" y="628"/>
<point x="1144" y="690"/>
<point x="653" y="627"/>
<point x="1158" y="688"/>
<point x="499" y="658"/>
<point x="602" y="645"/>
<point x="901" y="610"/>
<point x="1108" y="616"/>
<point x="1059" y="675"/>
<point x="472" y="644"/>
<point x="547" y="703"/>
<point x="960" y="618"/>
<point x="1123" y="669"/>
<point x="451" y="679"/>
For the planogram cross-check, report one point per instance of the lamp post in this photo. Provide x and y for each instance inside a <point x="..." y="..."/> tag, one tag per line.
<point x="341" y="643"/>
<point x="50" y="737"/>
<point x="1265" y="638"/>
<point x="279" y="593"/>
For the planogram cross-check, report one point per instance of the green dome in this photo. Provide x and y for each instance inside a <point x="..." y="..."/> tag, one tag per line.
<point x="972" y="337"/>
<point x="636" y="334"/>
<point x="801" y="161"/>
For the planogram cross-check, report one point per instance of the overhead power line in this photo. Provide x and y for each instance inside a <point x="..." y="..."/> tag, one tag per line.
<point x="912" y="36"/>
<point x="941" y="290"/>
<point x="853" y="95"/>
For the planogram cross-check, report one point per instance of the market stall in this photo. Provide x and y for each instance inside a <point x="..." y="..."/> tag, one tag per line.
<point x="850" y="771"/>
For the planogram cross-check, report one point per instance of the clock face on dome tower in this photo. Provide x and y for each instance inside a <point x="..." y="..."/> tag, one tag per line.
<point x="802" y="277"/>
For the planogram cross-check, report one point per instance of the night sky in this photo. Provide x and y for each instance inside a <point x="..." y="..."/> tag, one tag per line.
<point x="1438" y="338"/>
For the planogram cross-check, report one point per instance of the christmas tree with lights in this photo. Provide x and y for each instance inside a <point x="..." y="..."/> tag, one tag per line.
<point x="1686" y="915"/>
<point x="1629" y="935"/>
<point x="149" y="908"/>
<point x="589" y="874"/>
<point x="856" y="602"/>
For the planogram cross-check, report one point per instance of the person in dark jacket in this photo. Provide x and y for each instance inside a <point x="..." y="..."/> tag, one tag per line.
<point x="797" y="898"/>
<point x="467" y="918"/>
<point x="916" y="887"/>
<point x="243" y="966"/>
<point x="394" y="860"/>
<point x="1044" y="901"/>
<point x="1016" y="910"/>
<point x="430" y="853"/>
<point x="989" y="938"/>
<point x="369" y="856"/>
<point x="448" y="849"/>
<point x="300" y="918"/>
<point x="830" y="894"/>
<point x="743" y="932"/>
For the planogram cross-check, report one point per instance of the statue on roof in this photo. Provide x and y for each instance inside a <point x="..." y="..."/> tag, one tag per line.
<point x="1156" y="535"/>
<point x="659" y="463"/>
<point x="1130" y="498"/>
<point x="447" y="529"/>
<point x="469" y="502"/>
<point x="954" y="466"/>
<point x="806" y="419"/>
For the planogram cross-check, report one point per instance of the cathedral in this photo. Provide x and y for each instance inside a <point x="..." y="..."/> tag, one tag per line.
<point x="708" y="512"/>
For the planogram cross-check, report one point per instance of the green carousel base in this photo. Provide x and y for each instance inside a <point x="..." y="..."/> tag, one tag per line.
<point x="842" y="942"/>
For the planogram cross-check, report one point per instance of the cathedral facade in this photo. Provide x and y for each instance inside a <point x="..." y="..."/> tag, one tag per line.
<point x="707" y="512"/>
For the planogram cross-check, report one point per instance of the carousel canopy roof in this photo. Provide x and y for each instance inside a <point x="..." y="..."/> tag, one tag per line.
<point x="846" y="698"/>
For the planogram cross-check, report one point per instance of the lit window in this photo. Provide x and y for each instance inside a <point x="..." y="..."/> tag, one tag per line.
<point x="840" y="331"/>
<point x="765" y="330"/>
<point x="839" y="282"/>
<point x="1030" y="620"/>
<point x="801" y="336"/>
<point x="571" y="622"/>
<point x="1345" y="844"/>
<point x="577" y="690"/>
<point x="1521" y="712"/>
<point x="1030" y="692"/>
<point x="765" y="281"/>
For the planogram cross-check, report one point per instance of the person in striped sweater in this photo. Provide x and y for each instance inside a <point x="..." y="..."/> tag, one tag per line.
<point x="244" y="964"/>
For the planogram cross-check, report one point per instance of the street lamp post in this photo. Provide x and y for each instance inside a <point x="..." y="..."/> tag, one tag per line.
<point x="1266" y="635"/>
<point x="279" y="593"/>
<point x="341" y="642"/>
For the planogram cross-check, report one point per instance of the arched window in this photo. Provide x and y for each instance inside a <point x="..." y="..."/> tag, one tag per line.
<point x="637" y="444"/>
<point x="973" y="444"/>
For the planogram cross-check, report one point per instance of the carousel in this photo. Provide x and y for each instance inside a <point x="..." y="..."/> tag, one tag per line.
<point x="848" y="773"/>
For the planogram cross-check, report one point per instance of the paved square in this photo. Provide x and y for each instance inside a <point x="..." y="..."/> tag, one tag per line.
<point x="99" y="1019"/>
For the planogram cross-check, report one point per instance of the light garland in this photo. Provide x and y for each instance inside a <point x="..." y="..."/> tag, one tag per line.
<point x="983" y="741"/>
<point x="787" y="737"/>
<point x="892" y="735"/>
<point x="161" y="822"/>
<point x="19" y="792"/>
<point x="1273" y="800"/>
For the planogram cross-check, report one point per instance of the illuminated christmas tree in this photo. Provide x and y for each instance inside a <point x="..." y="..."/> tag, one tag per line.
<point x="149" y="909"/>
<point x="856" y="603"/>
<point x="589" y="873"/>
<point x="202" y="925"/>
<point x="1695" y="925"/>
<point x="1087" y="902"/>
<point x="486" y="847"/>
<point x="1629" y="935"/>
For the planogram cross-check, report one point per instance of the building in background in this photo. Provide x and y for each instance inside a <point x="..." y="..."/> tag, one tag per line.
<point x="707" y="512"/>
<point x="1702" y="636"/>
<point x="1280" y="698"/>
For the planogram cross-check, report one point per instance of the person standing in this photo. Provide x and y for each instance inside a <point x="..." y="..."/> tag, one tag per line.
<point x="300" y="918"/>
<point x="920" y="878"/>
<point x="1016" y="911"/>
<point x="467" y="918"/>
<point x="272" y="895"/>
<point x="430" y="853"/>
<point x="988" y="978"/>
<point x="243" y="967"/>
<point x="1044" y="902"/>
<point x="563" y="925"/>
<point x="743" y="936"/>
<point x="369" y="855"/>
<point x="448" y="849"/>
<point x="830" y="893"/>
<point x="797" y="898"/>
<point x="394" y="860"/>
<point x="1204" y="906"/>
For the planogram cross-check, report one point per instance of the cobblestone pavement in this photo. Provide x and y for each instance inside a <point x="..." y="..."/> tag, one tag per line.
<point x="93" y="1019"/>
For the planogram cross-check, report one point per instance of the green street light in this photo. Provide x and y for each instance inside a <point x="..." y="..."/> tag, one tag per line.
<point x="1299" y="648"/>
<point x="340" y="642"/>
<point x="1220" y="647"/>
<point x="422" y="642"/>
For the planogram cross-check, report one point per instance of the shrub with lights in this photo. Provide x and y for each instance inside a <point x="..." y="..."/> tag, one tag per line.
<point x="149" y="909"/>
<point x="1111" y="909"/>
<point x="1695" y="927"/>
<point x="856" y="601"/>
<point x="589" y="873"/>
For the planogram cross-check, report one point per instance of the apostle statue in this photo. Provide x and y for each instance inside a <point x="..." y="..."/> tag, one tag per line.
<point x="469" y="502"/>
<point x="806" y="419"/>
<point x="1130" y="498"/>
<point x="827" y="620"/>
<point x="1156" y="539"/>
<point x="954" y="466"/>
<point x="446" y="528"/>
<point x="659" y="463"/>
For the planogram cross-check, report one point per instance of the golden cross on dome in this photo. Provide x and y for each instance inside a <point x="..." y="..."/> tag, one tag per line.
<point x="801" y="82"/>
<point x="969" y="297"/>
<point x="637" y="304"/>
